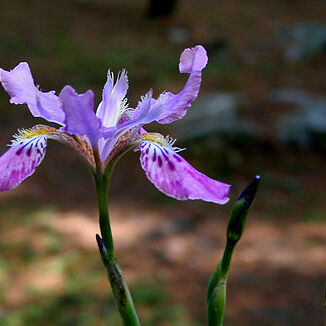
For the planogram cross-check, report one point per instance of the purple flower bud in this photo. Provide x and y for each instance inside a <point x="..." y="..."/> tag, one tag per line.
<point x="241" y="209"/>
<point x="248" y="194"/>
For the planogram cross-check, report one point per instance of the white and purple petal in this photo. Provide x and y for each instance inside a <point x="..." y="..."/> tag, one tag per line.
<point x="21" y="160"/>
<point x="109" y="109"/>
<point x="80" y="117"/>
<point x="175" y="177"/>
<point x="19" y="84"/>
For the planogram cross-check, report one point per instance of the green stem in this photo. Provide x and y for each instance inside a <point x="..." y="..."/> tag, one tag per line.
<point x="216" y="291"/>
<point x="118" y="283"/>
<point x="217" y="299"/>
<point x="227" y="256"/>
<point x="102" y="190"/>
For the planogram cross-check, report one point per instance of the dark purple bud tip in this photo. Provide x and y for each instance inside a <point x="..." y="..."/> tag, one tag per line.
<point x="103" y="251"/>
<point x="248" y="194"/>
<point x="100" y="243"/>
<point x="240" y="211"/>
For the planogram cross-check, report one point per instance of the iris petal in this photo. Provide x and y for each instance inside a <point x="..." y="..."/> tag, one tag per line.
<point x="19" y="84"/>
<point x="80" y="118"/>
<point x="21" y="160"/>
<point x="109" y="109"/>
<point x="170" y="107"/>
<point x="175" y="177"/>
<point x="192" y="61"/>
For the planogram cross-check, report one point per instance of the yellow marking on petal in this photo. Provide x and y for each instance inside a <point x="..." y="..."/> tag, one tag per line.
<point x="31" y="132"/>
<point x="164" y="141"/>
<point x="24" y="134"/>
<point x="154" y="137"/>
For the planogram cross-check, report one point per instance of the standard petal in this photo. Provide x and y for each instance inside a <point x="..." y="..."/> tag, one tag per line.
<point x="192" y="61"/>
<point x="147" y="111"/>
<point x="20" y="161"/>
<point x="174" y="176"/>
<point x="80" y="118"/>
<point x="168" y="106"/>
<point x="109" y="109"/>
<point x="19" y="84"/>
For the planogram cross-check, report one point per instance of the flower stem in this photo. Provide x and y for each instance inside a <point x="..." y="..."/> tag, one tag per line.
<point x="119" y="287"/>
<point x="102" y="190"/>
<point x="118" y="283"/>
<point x="216" y="290"/>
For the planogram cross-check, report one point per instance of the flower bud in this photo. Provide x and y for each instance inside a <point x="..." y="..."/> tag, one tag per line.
<point x="241" y="209"/>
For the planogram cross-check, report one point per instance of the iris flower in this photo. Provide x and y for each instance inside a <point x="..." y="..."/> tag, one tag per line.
<point x="102" y="137"/>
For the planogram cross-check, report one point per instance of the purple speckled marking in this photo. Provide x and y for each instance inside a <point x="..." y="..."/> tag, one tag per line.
<point x="29" y="151"/>
<point x="165" y="156"/>
<point x="146" y="162"/>
<point x="147" y="150"/>
<point x="159" y="160"/>
<point x="171" y="166"/>
<point x="19" y="151"/>
<point x="154" y="156"/>
<point x="177" y="158"/>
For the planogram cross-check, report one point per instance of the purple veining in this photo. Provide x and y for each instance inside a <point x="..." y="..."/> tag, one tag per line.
<point x="159" y="159"/>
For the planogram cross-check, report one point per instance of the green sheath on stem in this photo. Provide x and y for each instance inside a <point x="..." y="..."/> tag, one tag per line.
<point x="119" y="287"/>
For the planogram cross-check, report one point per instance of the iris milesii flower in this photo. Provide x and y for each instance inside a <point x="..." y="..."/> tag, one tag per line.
<point x="101" y="137"/>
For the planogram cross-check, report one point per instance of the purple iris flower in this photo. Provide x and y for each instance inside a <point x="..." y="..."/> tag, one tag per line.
<point x="101" y="137"/>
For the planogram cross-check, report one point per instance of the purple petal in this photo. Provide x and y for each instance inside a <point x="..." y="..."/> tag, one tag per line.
<point x="169" y="107"/>
<point x="174" y="176"/>
<point x="20" y="161"/>
<point x="80" y="118"/>
<point x="148" y="109"/>
<point x="141" y="131"/>
<point x="192" y="61"/>
<point x="142" y="115"/>
<point x="19" y="84"/>
<point x="112" y="136"/>
<point x="109" y="109"/>
<point x="108" y="142"/>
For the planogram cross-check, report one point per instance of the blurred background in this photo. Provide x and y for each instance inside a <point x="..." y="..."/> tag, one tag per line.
<point x="261" y="109"/>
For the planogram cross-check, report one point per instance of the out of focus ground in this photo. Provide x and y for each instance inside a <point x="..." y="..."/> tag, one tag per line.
<point x="50" y="271"/>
